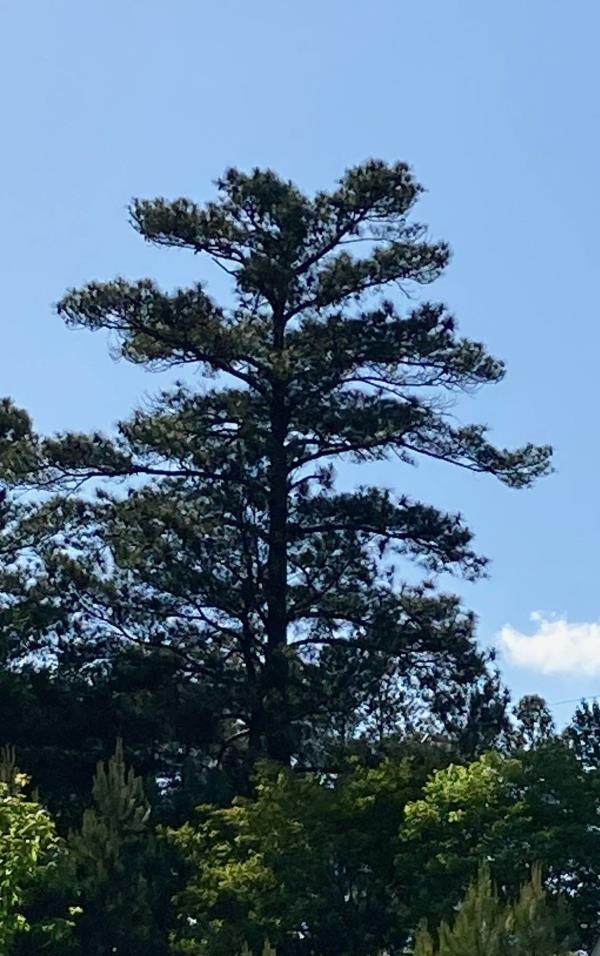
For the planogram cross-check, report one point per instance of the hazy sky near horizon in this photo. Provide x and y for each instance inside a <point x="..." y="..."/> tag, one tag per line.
<point x="495" y="106"/>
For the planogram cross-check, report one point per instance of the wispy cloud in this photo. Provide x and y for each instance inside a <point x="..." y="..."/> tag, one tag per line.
<point x="556" y="646"/>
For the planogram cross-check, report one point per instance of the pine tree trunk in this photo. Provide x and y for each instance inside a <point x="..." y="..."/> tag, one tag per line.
<point x="276" y="670"/>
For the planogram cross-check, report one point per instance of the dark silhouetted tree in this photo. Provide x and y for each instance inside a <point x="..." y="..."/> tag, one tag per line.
<point x="218" y="535"/>
<point x="534" y="722"/>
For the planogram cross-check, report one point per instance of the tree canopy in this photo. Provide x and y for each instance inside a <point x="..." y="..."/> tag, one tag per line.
<point x="217" y="542"/>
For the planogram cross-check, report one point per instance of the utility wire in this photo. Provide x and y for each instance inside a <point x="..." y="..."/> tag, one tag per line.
<point x="573" y="700"/>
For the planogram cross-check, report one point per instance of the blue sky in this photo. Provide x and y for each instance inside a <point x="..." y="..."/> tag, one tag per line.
<point x="496" y="107"/>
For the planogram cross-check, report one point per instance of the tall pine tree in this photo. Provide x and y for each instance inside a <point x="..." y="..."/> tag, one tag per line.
<point x="219" y="537"/>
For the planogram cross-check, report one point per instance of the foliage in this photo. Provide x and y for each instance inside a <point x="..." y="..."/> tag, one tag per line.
<point x="487" y="926"/>
<point x="199" y="584"/>
<point x="63" y="722"/>
<point x="534" y="722"/>
<point x="230" y="549"/>
<point x="113" y="854"/>
<point x="32" y="861"/>
<point x="304" y="864"/>
<point x="267" y="950"/>
<point x="583" y="734"/>
<point x="539" y="806"/>
<point x="376" y="861"/>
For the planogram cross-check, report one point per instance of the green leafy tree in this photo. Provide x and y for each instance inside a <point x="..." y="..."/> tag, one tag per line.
<point x="233" y="549"/>
<point x="485" y="925"/>
<point x="539" y="806"/>
<point x="308" y="864"/>
<point x="116" y="867"/>
<point x="32" y="863"/>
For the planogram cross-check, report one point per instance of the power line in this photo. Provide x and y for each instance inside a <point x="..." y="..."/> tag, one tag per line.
<point x="573" y="700"/>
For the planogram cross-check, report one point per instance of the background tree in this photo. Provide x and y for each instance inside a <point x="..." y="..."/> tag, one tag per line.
<point x="534" y="722"/>
<point x="583" y="733"/>
<point x="229" y="547"/>
<point x="307" y="864"/>
<point x="476" y="718"/>
<point x="513" y="811"/>
<point x="64" y="702"/>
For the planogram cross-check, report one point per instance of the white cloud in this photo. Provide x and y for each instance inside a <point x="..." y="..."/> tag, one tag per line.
<point x="555" y="647"/>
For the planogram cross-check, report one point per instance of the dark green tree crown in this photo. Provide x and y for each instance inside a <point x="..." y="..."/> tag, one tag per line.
<point x="232" y="550"/>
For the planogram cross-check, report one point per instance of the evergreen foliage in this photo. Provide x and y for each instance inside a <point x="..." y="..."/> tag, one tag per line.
<point x="583" y="733"/>
<point x="112" y="855"/>
<point x="487" y="926"/>
<point x="534" y="722"/>
<point x="230" y="550"/>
